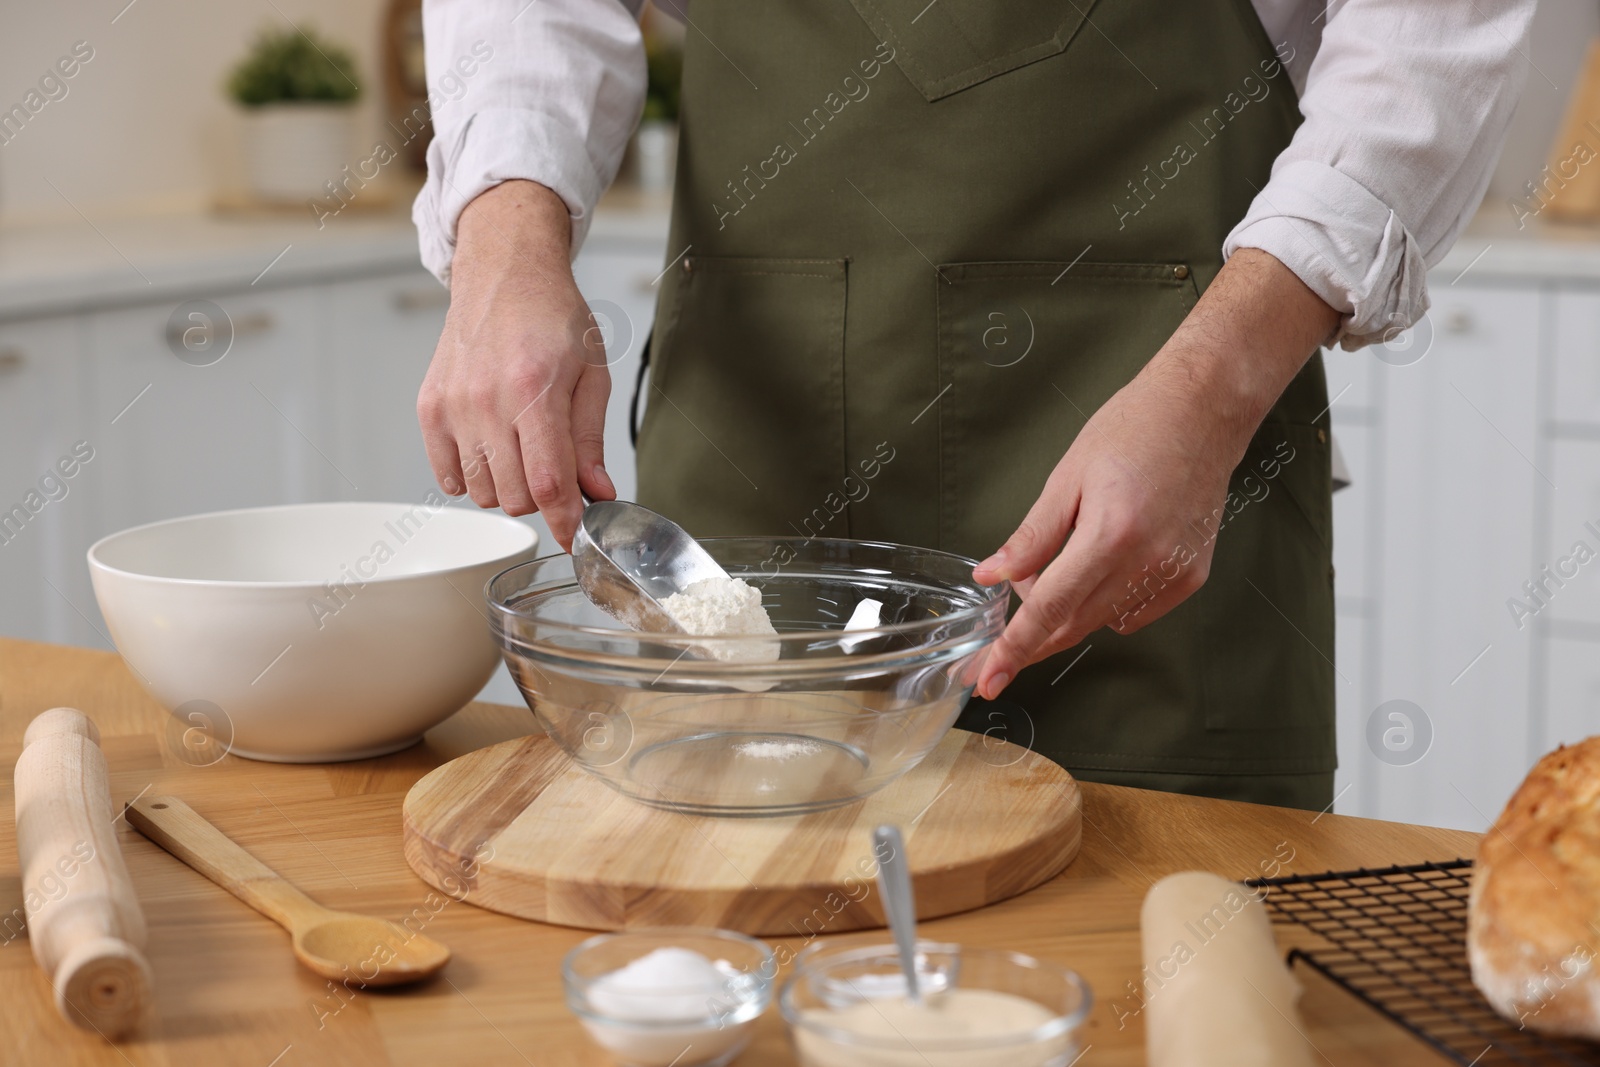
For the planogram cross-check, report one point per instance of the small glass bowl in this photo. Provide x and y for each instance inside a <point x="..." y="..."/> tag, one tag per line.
<point x="670" y="1027"/>
<point x="829" y="717"/>
<point x="830" y="979"/>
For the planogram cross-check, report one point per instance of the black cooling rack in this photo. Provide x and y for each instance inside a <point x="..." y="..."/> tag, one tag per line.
<point x="1396" y="938"/>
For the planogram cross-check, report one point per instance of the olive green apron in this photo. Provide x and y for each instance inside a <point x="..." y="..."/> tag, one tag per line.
<point x="922" y="242"/>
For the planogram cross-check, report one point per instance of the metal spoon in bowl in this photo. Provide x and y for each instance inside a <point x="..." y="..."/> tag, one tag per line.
<point x="628" y="559"/>
<point x="894" y="883"/>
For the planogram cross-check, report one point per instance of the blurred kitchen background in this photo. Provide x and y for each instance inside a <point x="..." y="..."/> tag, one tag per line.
<point x="174" y="308"/>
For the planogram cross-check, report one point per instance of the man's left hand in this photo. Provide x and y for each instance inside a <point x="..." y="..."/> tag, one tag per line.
<point x="1147" y="476"/>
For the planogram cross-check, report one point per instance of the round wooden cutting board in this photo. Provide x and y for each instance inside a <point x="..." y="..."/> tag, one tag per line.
<point x="519" y="828"/>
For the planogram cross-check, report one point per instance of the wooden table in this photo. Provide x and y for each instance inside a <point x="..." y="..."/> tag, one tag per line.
<point x="229" y="992"/>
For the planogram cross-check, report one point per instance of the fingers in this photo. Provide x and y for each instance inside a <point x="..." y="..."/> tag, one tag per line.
<point x="1111" y="604"/>
<point x="1125" y="605"/>
<point x="1128" y="597"/>
<point x="461" y="461"/>
<point x="440" y="443"/>
<point x="1053" y="606"/>
<point x="969" y="670"/>
<point x="588" y="432"/>
<point x="549" y="464"/>
<point x="1030" y="549"/>
<point x="476" y="470"/>
<point x="503" y="461"/>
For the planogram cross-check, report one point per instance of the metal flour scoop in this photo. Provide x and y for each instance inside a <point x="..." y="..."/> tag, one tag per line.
<point x="628" y="559"/>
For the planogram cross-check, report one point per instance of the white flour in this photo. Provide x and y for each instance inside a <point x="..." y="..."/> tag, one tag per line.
<point x="778" y="750"/>
<point x="720" y="606"/>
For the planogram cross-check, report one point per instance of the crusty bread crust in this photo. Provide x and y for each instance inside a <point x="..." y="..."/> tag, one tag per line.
<point x="1533" y="928"/>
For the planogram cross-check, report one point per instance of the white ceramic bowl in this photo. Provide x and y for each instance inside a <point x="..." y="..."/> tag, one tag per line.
<point x="311" y="632"/>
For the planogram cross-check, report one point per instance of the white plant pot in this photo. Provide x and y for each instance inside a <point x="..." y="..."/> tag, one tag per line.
<point x="655" y="155"/>
<point x="293" y="150"/>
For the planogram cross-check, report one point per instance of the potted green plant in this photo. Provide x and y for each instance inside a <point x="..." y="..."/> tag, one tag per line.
<point x="298" y="93"/>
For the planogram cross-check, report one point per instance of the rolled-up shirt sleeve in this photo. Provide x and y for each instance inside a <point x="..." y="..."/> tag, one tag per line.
<point x="544" y="90"/>
<point x="1406" y="105"/>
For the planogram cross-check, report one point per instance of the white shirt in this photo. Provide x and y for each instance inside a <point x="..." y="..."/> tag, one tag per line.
<point x="1406" y="103"/>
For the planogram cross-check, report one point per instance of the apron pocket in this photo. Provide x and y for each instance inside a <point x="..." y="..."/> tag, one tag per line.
<point x="1268" y="603"/>
<point x="744" y="427"/>
<point x="1027" y="352"/>
<point x="950" y="45"/>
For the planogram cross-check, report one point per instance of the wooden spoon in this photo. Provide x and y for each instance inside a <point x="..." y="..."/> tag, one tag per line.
<point x="341" y="945"/>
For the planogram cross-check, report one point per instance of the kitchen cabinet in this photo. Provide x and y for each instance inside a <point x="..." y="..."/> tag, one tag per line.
<point x="1570" y="590"/>
<point x="1460" y="485"/>
<point x="1352" y="701"/>
<point x="1353" y="510"/>
<point x="1353" y="390"/>
<point x="1572" y="669"/>
<point x="42" y="509"/>
<point x="1474" y="443"/>
<point x="1351" y="381"/>
<point x="378" y="336"/>
<point x="240" y="432"/>
<point x="1577" y="371"/>
<point x="168" y="435"/>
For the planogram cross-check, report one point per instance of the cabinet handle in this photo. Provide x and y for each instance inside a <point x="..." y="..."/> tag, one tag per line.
<point x="257" y="322"/>
<point x="422" y="299"/>
<point x="12" y="360"/>
<point x="1460" y="321"/>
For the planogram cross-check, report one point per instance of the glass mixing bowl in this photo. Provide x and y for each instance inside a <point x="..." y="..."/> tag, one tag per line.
<point x="810" y="719"/>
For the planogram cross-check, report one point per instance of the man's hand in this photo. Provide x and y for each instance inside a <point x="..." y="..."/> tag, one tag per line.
<point x="513" y="406"/>
<point x="1150" y="467"/>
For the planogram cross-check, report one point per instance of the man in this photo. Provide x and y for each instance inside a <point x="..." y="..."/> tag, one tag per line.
<point x="1068" y="263"/>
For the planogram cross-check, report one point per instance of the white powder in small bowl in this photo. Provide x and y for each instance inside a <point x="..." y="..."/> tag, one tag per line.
<point x="667" y="984"/>
<point x="664" y="1009"/>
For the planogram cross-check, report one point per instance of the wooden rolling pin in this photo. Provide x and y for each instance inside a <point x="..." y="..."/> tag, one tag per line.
<point x="1216" y="990"/>
<point x="84" y="921"/>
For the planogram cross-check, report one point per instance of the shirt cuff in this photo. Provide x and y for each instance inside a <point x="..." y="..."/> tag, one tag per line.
<point x="1348" y="247"/>
<point x="494" y="146"/>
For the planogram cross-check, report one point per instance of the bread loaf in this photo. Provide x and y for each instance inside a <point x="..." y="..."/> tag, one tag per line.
<point x="1533" y="926"/>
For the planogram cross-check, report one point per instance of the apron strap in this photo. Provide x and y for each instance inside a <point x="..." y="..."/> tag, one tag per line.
<point x="638" y="387"/>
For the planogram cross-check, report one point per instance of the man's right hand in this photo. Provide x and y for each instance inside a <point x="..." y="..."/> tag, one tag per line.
<point x="513" y="406"/>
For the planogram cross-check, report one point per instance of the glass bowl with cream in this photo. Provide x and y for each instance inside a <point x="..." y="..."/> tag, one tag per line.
<point x="669" y="997"/>
<point x="846" y="1006"/>
<point x="807" y="716"/>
